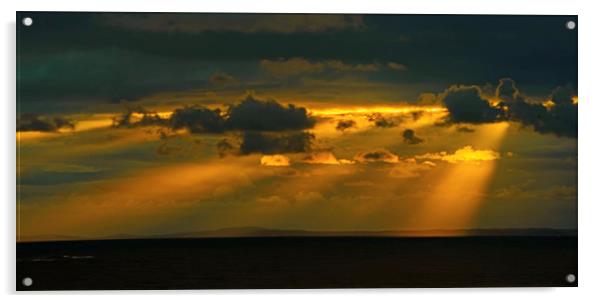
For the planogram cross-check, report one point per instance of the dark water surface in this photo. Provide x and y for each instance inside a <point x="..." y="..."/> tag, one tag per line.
<point x="297" y="262"/>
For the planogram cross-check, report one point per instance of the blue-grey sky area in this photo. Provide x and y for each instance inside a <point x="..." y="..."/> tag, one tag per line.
<point x="102" y="58"/>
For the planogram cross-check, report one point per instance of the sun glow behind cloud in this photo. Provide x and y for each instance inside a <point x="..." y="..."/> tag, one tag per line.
<point x="350" y="110"/>
<point x="394" y="185"/>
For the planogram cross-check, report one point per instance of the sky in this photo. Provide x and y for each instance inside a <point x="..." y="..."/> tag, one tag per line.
<point x="154" y="124"/>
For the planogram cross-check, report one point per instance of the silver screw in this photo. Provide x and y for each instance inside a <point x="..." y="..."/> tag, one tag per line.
<point x="27" y="21"/>
<point x="571" y="25"/>
<point x="570" y="278"/>
<point x="27" y="281"/>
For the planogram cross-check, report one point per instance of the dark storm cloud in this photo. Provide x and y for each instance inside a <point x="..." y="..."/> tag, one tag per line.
<point x="345" y="124"/>
<point x="506" y="90"/>
<point x="33" y="122"/>
<point x="258" y="115"/>
<point x="275" y="143"/>
<point x="466" y="105"/>
<point x="249" y="115"/>
<point x="135" y="116"/>
<point x="559" y="119"/>
<point x="198" y="120"/>
<point x="376" y="156"/>
<point x="99" y="57"/>
<point x="409" y="137"/>
<point x="382" y="121"/>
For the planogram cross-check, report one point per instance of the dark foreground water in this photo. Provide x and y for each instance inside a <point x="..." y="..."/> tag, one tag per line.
<point x="297" y="262"/>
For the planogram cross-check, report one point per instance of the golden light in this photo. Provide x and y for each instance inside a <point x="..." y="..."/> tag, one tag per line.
<point x="135" y="202"/>
<point x="275" y="160"/>
<point x="456" y="196"/>
<point x="464" y="154"/>
<point x="548" y="104"/>
<point x="404" y="109"/>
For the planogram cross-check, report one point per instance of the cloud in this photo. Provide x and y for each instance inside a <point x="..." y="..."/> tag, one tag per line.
<point x="381" y="155"/>
<point x="291" y="67"/>
<point x="464" y="154"/>
<point x="466" y="104"/>
<point x="307" y="197"/>
<point x="558" y="116"/>
<point x="465" y="129"/>
<point x="249" y="115"/>
<point x="396" y="66"/>
<point x="506" y="90"/>
<point x="410" y="137"/>
<point x="198" y="119"/>
<point x="135" y="116"/>
<point x="561" y="119"/>
<point x="275" y="160"/>
<point x="225" y="147"/>
<point x="222" y="80"/>
<point x="428" y="99"/>
<point x="557" y="192"/>
<point x="33" y="122"/>
<point x="257" y="115"/>
<point x="301" y="66"/>
<point x="345" y="124"/>
<point x="410" y="168"/>
<point x="381" y="121"/>
<point x="324" y="157"/>
<point x="245" y="23"/>
<point x="272" y="200"/>
<point x="275" y="143"/>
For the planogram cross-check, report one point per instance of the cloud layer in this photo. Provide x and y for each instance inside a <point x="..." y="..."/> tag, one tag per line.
<point x="464" y="154"/>
<point x="409" y="137"/>
<point x="468" y="104"/>
<point x="33" y="122"/>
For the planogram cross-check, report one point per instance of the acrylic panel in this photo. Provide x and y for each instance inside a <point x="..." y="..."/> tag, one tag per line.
<point x="206" y="150"/>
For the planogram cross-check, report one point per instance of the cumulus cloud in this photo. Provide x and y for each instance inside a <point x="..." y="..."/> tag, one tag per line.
<point x="135" y="116"/>
<point x="345" y="124"/>
<point x="381" y="121"/>
<point x="275" y="143"/>
<point x="256" y="115"/>
<point x="409" y="137"/>
<point x="198" y="119"/>
<point x="381" y="155"/>
<point x="428" y="99"/>
<point x="324" y="157"/>
<point x="558" y="115"/>
<point x="249" y="115"/>
<point x="275" y="160"/>
<point x="506" y="90"/>
<point x="33" y="122"/>
<point x="466" y="104"/>
<point x="464" y="154"/>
